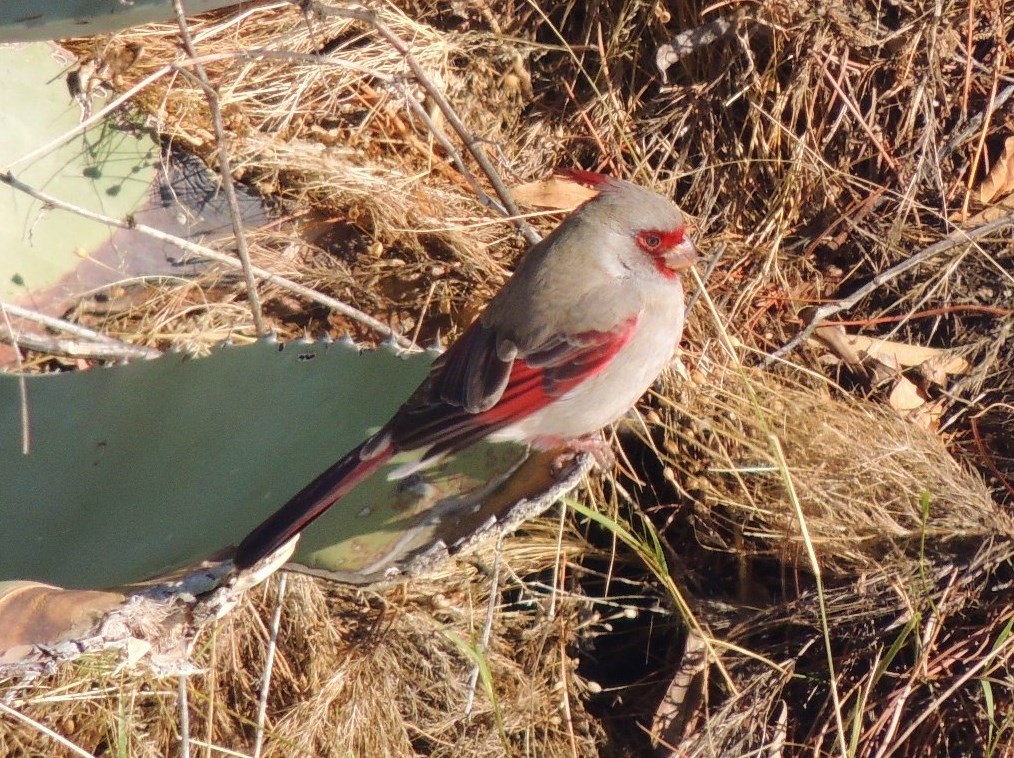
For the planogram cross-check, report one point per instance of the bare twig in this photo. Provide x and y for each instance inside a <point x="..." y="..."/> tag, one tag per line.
<point x="976" y="121"/>
<point x="560" y="524"/>
<point x="469" y="140"/>
<point x="853" y="107"/>
<point x="112" y="346"/>
<point x="712" y="264"/>
<point x="26" y="429"/>
<point x="269" y="662"/>
<point x="225" y="169"/>
<point x="73" y="348"/>
<point x="95" y="118"/>
<point x="1002" y="646"/>
<point x="184" y="718"/>
<point x="452" y="153"/>
<point x="987" y="457"/>
<point x="190" y="247"/>
<point x="487" y="626"/>
<point x="568" y="713"/>
<point x="952" y="240"/>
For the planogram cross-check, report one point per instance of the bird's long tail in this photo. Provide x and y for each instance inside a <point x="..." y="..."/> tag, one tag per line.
<point x="315" y="498"/>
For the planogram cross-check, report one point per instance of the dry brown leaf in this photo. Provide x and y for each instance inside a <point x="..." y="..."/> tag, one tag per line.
<point x="905" y="396"/>
<point x="34" y="613"/>
<point x="929" y="414"/>
<point x="556" y="193"/>
<point x="1001" y="208"/>
<point x="898" y="354"/>
<point x="1000" y="180"/>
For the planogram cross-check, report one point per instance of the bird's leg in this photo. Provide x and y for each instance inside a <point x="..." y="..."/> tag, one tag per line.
<point x="594" y="444"/>
<point x="597" y="446"/>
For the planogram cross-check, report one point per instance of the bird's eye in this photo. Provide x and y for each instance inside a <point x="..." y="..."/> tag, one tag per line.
<point x="649" y="240"/>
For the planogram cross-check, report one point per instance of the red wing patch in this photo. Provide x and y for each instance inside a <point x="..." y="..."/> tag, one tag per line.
<point x="534" y="382"/>
<point x="536" y="378"/>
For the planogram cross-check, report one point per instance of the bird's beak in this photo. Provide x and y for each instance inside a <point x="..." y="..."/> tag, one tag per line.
<point x="681" y="257"/>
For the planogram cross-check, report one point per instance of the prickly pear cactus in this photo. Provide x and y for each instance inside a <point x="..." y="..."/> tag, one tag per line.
<point x="25" y="20"/>
<point x="155" y="469"/>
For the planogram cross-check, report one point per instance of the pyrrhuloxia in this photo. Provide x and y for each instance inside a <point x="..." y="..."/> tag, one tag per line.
<point x="587" y="322"/>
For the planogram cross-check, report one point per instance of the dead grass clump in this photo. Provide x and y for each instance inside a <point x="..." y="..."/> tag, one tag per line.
<point x="324" y="115"/>
<point x="873" y="488"/>
<point x="384" y="673"/>
<point x="920" y="661"/>
<point x="824" y="144"/>
<point x="904" y="637"/>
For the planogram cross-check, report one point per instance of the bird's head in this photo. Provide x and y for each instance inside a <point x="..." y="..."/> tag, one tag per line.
<point x="649" y="230"/>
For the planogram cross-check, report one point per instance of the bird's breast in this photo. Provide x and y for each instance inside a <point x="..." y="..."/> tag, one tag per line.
<point x="605" y="396"/>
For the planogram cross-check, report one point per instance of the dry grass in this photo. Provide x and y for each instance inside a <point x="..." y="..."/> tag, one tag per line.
<point x="814" y="149"/>
<point x="861" y="474"/>
<point x="357" y="672"/>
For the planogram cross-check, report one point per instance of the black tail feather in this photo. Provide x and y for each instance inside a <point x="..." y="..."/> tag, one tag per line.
<point x="310" y="502"/>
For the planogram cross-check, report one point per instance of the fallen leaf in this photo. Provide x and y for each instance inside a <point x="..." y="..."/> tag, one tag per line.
<point x="556" y="193"/>
<point x="911" y="404"/>
<point x="929" y="414"/>
<point x="834" y="337"/>
<point x="999" y="209"/>
<point x="905" y="396"/>
<point x="898" y="354"/>
<point x="1000" y="180"/>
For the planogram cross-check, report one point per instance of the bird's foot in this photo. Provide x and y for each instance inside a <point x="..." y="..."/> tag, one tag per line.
<point x="593" y="444"/>
<point x="599" y="449"/>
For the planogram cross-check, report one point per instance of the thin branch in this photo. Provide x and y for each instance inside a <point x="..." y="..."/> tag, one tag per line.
<point x="269" y="663"/>
<point x="951" y="241"/>
<point x="976" y="121"/>
<point x="72" y="348"/>
<point x="184" y="717"/>
<point x="111" y="345"/>
<point x="452" y="152"/>
<point x="487" y="626"/>
<point x="190" y="247"/>
<point x="95" y="118"/>
<point x="712" y="265"/>
<point x="469" y="140"/>
<point x="559" y="559"/>
<point x="26" y="429"/>
<point x="225" y="169"/>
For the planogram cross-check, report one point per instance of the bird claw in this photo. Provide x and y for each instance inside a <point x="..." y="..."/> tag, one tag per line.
<point x="593" y="444"/>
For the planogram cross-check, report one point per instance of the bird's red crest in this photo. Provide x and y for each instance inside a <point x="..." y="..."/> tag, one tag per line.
<point x="587" y="178"/>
